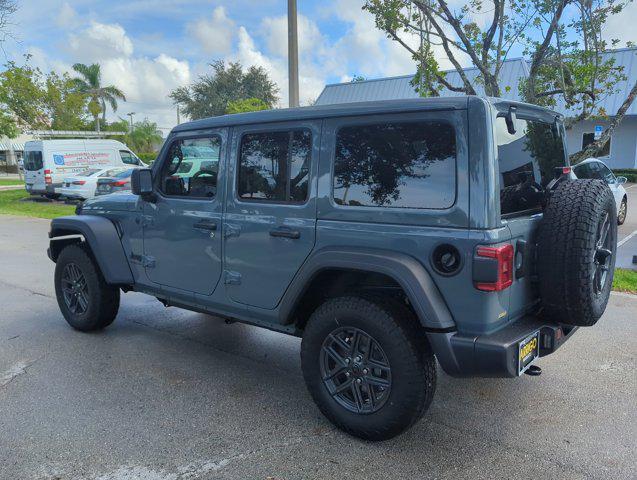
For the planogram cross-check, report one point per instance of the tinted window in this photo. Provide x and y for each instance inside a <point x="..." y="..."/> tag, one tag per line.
<point x="191" y="167"/>
<point x="527" y="161"/>
<point x="33" y="160"/>
<point x="588" y="138"/>
<point x="275" y="166"/>
<point x="401" y="165"/>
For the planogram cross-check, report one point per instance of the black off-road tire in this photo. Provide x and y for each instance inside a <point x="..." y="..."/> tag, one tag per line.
<point x="623" y="211"/>
<point x="576" y="213"/>
<point x="102" y="299"/>
<point x="398" y="333"/>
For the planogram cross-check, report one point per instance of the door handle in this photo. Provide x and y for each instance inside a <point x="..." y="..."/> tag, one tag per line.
<point x="206" y="225"/>
<point x="285" y="232"/>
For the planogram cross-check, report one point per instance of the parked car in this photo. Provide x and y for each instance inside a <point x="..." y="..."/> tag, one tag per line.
<point x="49" y="162"/>
<point x="117" y="182"/>
<point x="594" y="168"/>
<point x="378" y="232"/>
<point x="83" y="185"/>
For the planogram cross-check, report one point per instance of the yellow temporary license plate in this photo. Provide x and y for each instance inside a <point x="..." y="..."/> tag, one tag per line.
<point x="528" y="351"/>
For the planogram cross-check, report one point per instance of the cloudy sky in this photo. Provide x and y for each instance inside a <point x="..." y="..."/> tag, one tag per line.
<point x="148" y="47"/>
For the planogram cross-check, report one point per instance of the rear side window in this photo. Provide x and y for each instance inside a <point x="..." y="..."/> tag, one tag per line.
<point x="33" y="160"/>
<point x="275" y="166"/>
<point x="398" y="165"/>
<point x="527" y="160"/>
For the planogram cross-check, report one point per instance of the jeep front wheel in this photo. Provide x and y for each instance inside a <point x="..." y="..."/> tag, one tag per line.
<point x="87" y="302"/>
<point x="368" y="366"/>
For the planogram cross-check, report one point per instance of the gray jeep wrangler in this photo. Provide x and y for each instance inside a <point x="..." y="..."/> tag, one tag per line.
<point x="388" y="235"/>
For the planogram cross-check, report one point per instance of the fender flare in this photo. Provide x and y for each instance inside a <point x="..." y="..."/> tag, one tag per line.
<point x="408" y="272"/>
<point x="102" y="237"/>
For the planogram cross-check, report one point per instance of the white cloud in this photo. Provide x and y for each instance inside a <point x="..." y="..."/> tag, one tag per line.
<point x="67" y="16"/>
<point x="100" y="40"/>
<point x="215" y="35"/>
<point x="146" y="81"/>
<point x="619" y="26"/>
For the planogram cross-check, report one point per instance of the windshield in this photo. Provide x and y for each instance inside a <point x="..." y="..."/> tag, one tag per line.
<point x="33" y="160"/>
<point x="527" y="160"/>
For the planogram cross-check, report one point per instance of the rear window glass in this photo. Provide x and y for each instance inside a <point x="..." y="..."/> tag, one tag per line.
<point x="124" y="174"/>
<point x="33" y="160"/>
<point x="399" y="165"/>
<point x="527" y="160"/>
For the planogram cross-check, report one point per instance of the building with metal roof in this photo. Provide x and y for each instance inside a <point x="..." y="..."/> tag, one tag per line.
<point x="621" y="152"/>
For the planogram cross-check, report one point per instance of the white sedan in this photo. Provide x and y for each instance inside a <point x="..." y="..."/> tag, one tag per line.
<point x="596" y="169"/>
<point x="83" y="185"/>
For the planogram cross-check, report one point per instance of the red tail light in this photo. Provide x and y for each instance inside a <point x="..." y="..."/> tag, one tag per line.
<point x="119" y="183"/>
<point x="504" y="257"/>
<point x="47" y="176"/>
<point x="79" y="182"/>
<point x="47" y="172"/>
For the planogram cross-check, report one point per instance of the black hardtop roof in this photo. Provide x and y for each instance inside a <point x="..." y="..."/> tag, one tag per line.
<point x="346" y="109"/>
<point x="324" y="111"/>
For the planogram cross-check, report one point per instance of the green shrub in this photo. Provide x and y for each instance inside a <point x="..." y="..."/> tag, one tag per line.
<point x="147" y="157"/>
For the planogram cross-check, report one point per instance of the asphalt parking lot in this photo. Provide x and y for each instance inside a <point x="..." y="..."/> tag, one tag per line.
<point x="169" y="394"/>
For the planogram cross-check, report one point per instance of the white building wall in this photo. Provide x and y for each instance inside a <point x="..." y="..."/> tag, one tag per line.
<point x="623" y="148"/>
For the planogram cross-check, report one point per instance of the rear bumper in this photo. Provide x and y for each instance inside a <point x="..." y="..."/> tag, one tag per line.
<point x="496" y="354"/>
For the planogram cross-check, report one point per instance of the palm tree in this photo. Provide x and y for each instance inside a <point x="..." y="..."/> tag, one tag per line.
<point x="145" y="137"/>
<point x="90" y="84"/>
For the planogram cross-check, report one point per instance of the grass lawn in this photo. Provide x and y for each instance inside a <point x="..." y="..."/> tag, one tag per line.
<point x="625" y="280"/>
<point x="11" y="181"/>
<point x="16" y="202"/>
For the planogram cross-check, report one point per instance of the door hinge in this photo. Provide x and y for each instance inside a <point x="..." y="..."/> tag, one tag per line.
<point x="231" y="278"/>
<point x="145" y="261"/>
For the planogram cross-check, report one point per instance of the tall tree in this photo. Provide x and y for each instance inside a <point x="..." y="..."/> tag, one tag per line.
<point x="561" y="40"/>
<point x="90" y="84"/>
<point x="31" y="100"/>
<point x="210" y="95"/>
<point x="7" y="8"/>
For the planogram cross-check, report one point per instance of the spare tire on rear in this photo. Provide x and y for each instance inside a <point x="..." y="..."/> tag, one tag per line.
<point x="576" y="252"/>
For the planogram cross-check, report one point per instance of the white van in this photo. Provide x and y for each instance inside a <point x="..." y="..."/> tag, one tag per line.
<point x="48" y="162"/>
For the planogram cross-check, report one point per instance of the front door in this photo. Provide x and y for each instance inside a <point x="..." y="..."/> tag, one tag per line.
<point x="182" y="228"/>
<point x="270" y="222"/>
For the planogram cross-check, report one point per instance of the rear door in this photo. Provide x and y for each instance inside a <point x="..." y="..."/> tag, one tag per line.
<point x="34" y="170"/>
<point x="526" y="165"/>
<point x="270" y="221"/>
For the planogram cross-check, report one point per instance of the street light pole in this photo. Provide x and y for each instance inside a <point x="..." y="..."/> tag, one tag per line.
<point x="130" y="114"/>
<point x="293" y="54"/>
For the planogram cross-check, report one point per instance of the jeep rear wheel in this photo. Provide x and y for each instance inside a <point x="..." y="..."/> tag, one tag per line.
<point x="87" y="302"/>
<point x="576" y="252"/>
<point x="368" y="366"/>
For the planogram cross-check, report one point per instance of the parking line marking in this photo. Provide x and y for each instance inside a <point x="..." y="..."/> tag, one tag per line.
<point x="625" y="239"/>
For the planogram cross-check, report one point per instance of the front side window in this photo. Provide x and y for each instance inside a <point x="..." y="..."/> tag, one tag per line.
<point x="191" y="168"/>
<point x="275" y="166"/>
<point x="588" y="138"/>
<point x="128" y="158"/>
<point x="527" y="160"/>
<point x="399" y="165"/>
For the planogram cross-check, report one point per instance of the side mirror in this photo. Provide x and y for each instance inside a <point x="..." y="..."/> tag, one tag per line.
<point x="621" y="180"/>
<point x="142" y="183"/>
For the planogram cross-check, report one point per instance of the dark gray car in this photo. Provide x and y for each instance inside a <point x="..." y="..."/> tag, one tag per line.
<point x="388" y="235"/>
